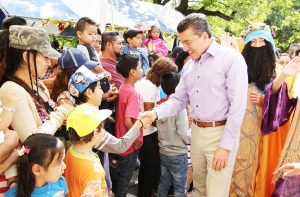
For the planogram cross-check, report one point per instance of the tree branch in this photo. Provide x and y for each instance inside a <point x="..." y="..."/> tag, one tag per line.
<point x="184" y="9"/>
<point x="157" y="2"/>
<point x="165" y="2"/>
<point x="211" y="13"/>
<point x="224" y="4"/>
<point x="183" y="6"/>
<point x="160" y="2"/>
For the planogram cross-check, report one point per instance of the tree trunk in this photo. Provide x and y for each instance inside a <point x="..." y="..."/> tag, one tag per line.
<point x="157" y="2"/>
<point x="183" y="6"/>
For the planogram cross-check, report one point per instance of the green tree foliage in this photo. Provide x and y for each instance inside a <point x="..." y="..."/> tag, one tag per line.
<point x="285" y="19"/>
<point x="66" y="41"/>
<point x="234" y="15"/>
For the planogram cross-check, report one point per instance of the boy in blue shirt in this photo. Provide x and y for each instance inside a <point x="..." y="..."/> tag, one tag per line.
<point x="134" y="40"/>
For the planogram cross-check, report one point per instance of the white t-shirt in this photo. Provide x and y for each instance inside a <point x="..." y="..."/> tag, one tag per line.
<point x="148" y="93"/>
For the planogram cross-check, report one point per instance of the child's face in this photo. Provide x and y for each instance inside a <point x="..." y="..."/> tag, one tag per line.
<point x="98" y="135"/>
<point x="97" y="44"/>
<point x="155" y="33"/>
<point x="137" y="73"/>
<point x="136" y="42"/>
<point x="95" y="97"/>
<point x="89" y="35"/>
<point x="55" y="169"/>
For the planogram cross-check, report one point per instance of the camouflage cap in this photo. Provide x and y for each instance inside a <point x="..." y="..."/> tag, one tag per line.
<point x="31" y="38"/>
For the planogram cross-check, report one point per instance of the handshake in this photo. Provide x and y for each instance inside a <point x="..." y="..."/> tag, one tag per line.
<point x="147" y="118"/>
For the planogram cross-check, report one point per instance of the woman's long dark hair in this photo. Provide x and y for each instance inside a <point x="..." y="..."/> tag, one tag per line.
<point x="61" y="82"/>
<point x="43" y="151"/>
<point x="261" y="64"/>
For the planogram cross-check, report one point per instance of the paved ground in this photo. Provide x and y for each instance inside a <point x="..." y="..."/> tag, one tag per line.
<point x="132" y="190"/>
<point x="133" y="187"/>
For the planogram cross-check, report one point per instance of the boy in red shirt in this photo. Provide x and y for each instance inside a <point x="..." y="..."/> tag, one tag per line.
<point x="126" y="114"/>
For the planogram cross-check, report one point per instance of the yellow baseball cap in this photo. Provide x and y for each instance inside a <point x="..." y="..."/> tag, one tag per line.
<point x="86" y="118"/>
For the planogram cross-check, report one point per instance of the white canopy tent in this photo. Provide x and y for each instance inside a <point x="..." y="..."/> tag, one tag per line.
<point x="124" y="13"/>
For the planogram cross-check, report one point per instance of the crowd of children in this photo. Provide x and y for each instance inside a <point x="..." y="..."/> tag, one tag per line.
<point x="85" y="136"/>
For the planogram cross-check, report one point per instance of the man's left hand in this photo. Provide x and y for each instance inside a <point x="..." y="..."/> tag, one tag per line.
<point x="220" y="159"/>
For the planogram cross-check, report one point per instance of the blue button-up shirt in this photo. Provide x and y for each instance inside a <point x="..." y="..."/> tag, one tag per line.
<point x="143" y="56"/>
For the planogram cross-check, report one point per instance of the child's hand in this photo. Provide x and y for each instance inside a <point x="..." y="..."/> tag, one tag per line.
<point x="108" y="75"/>
<point x="257" y="98"/>
<point x="145" y="121"/>
<point x="113" y="92"/>
<point x="148" y="117"/>
<point x="112" y="98"/>
<point x="113" y="89"/>
<point x="64" y="101"/>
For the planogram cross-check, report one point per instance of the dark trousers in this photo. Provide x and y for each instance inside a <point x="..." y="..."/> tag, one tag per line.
<point x="122" y="174"/>
<point x="149" y="168"/>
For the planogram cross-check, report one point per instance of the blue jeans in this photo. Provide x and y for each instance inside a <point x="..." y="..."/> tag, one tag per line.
<point x="173" y="170"/>
<point x="122" y="174"/>
<point x="149" y="168"/>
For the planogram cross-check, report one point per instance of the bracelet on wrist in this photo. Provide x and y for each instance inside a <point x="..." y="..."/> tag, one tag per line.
<point x="141" y="122"/>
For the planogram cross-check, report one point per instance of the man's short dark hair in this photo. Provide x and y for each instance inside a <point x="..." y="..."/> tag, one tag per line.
<point x="80" y="26"/>
<point x="130" y="33"/>
<point x="126" y="63"/>
<point x="196" y="21"/>
<point x="106" y="37"/>
<point x="169" y="81"/>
